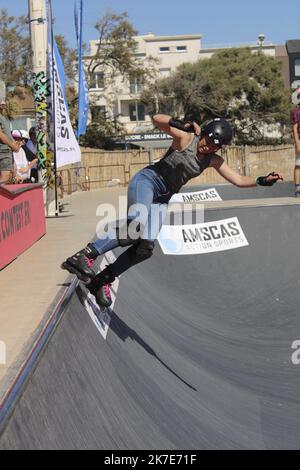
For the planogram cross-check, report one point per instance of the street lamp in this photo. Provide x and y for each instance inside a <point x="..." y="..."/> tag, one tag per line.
<point x="261" y="39"/>
<point x="38" y="20"/>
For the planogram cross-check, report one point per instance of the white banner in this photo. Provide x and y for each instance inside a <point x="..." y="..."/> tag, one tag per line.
<point x="208" y="237"/>
<point x="198" y="196"/>
<point x="67" y="147"/>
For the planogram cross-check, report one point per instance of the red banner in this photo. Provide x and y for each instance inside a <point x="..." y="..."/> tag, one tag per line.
<point x="22" y="219"/>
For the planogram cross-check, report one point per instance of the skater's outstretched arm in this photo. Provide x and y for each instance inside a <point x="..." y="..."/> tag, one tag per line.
<point x="241" y="181"/>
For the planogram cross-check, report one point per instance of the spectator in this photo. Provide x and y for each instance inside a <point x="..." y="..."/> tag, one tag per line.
<point x="7" y="144"/>
<point x="295" y="121"/>
<point x="31" y="153"/>
<point x="22" y="166"/>
<point x="60" y="185"/>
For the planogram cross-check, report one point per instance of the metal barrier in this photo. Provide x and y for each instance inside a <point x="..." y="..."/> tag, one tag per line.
<point x="73" y="179"/>
<point x="65" y="181"/>
<point x="106" y="180"/>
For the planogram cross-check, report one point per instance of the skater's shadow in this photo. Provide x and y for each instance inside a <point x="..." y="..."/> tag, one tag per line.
<point x="123" y="331"/>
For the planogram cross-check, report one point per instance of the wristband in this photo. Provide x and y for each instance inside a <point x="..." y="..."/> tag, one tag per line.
<point x="181" y="125"/>
<point x="262" y="181"/>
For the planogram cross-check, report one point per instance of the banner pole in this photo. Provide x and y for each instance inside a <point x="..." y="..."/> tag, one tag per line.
<point x="54" y="114"/>
<point x="79" y="45"/>
<point x="83" y="101"/>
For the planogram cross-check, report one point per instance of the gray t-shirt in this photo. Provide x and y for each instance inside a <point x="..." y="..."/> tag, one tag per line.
<point x="178" y="167"/>
<point x="5" y="128"/>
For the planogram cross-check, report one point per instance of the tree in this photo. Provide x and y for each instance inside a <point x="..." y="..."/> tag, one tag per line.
<point x="16" y="63"/>
<point x="116" y="47"/>
<point x="236" y="84"/>
<point x="15" y="56"/>
<point x="114" y="56"/>
<point x="102" y="132"/>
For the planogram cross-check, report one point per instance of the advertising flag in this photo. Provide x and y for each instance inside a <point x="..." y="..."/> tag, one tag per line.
<point x="83" y="91"/>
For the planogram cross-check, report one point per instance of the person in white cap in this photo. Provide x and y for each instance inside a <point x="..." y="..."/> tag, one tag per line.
<point x="295" y="122"/>
<point x="22" y="166"/>
<point x="7" y="144"/>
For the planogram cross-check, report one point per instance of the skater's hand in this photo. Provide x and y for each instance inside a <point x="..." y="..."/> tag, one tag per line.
<point x="274" y="177"/>
<point x="193" y="127"/>
<point x="197" y="128"/>
<point x="269" y="180"/>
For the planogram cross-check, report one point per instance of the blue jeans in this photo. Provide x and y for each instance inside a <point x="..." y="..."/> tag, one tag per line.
<point x="148" y="198"/>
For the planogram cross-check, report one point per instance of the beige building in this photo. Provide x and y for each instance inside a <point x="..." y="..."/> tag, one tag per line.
<point x="267" y="49"/>
<point x="120" y="97"/>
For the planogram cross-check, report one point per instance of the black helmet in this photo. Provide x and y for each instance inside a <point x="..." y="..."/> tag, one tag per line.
<point x="218" y="130"/>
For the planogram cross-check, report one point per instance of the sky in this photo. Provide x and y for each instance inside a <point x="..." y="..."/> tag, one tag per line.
<point x="219" y="22"/>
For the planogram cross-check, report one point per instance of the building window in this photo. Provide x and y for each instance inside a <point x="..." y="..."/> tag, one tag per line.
<point x="297" y="67"/>
<point x="163" y="73"/>
<point x="98" y="80"/>
<point x="98" y="113"/>
<point x="164" y="49"/>
<point x="137" y="112"/>
<point x="135" y="86"/>
<point x="181" y="48"/>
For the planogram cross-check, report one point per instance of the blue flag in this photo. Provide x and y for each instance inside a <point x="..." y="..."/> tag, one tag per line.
<point x="83" y="91"/>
